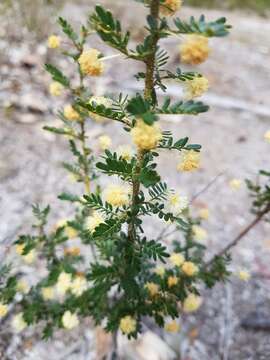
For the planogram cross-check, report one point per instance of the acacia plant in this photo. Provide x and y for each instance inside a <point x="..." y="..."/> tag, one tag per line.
<point x="126" y="276"/>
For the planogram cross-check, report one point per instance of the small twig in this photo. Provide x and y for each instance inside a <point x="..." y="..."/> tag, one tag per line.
<point x="207" y="187"/>
<point x="243" y="233"/>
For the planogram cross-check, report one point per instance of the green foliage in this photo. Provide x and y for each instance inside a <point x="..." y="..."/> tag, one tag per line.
<point x="201" y="27"/>
<point x="57" y="75"/>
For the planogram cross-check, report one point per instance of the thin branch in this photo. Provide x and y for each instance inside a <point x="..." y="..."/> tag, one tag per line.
<point x="207" y="186"/>
<point x="242" y="234"/>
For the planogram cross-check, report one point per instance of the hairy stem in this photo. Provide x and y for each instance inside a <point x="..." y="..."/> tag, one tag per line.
<point x="148" y="92"/>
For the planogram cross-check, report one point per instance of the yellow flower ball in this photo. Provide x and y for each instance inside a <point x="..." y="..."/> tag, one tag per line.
<point x="160" y="270"/>
<point x="189" y="268"/>
<point x="146" y="137"/>
<point x="104" y="142"/>
<point x="56" y="89"/>
<point x="3" y="310"/>
<point x="204" y="213"/>
<point x="72" y="251"/>
<point x="69" y="320"/>
<point x="267" y="136"/>
<point x="192" y="303"/>
<point x="177" y="259"/>
<point x="235" y="184"/>
<point x="54" y="41"/>
<point x="90" y="63"/>
<point x="199" y="233"/>
<point x="177" y="203"/>
<point x="243" y="275"/>
<point x="100" y="100"/>
<point x="70" y="113"/>
<point x="172" y="281"/>
<point x="195" y="50"/>
<point x="28" y="258"/>
<point x="93" y="221"/>
<point x="18" y="323"/>
<point x="125" y="151"/>
<point x="169" y="7"/>
<point x="117" y="195"/>
<point x="70" y="232"/>
<point x="128" y="325"/>
<point x="47" y="293"/>
<point x="172" y="327"/>
<point x="63" y="283"/>
<point x="79" y="285"/>
<point x="23" y="286"/>
<point x="152" y="288"/>
<point x="196" y="87"/>
<point x="190" y="160"/>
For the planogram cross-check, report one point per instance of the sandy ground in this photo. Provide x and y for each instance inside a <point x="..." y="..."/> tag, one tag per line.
<point x="232" y="138"/>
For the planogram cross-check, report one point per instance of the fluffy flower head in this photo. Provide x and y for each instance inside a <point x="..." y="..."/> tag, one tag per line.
<point x="196" y="87"/>
<point x="18" y="323"/>
<point x="169" y="7"/>
<point x="189" y="268"/>
<point x="79" y="285"/>
<point x="177" y="203"/>
<point x="104" y="142"/>
<point x="125" y="151"/>
<point x="47" y="293"/>
<point x="199" y="233"/>
<point x="54" y="41"/>
<point x="23" y="286"/>
<point x="128" y="324"/>
<point x="63" y="283"/>
<point x="3" y="310"/>
<point x="93" y="221"/>
<point x="152" y="288"/>
<point x="172" y="281"/>
<point x="192" y="303"/>
<point x="146" y="137"/>
<point x="243" y="275"/>
<point x="30" y="257"/>
<point x="117" y="195"/>
<point x="172" y="326"/>
<point x="190" y="160"/>
<point x="70" y="113"/>
<point x="195" y="50"/>
<point x="69" y="320"/>
<point x="204" y="213"/>
<point x="267" y="136"/>
<point x="56" y="89"/>
<point x="177" y="259"/>
<point x="235" y="184"/>
<point x="90" y="63"/>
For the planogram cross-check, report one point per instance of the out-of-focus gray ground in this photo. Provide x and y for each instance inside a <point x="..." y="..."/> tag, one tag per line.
<point x="231" y="134"/>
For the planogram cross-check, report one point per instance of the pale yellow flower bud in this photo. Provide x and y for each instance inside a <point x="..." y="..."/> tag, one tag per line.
<point x="23" y="286"/>
<point x="195" y="50"/>
<point x="3" y="310"/>
<point x="93" y="221"/>
<point x="56" y="89"/>
<point x="160" y="270"/>
<point x="196" y="87"/>
<point x="78" y="286"/>
<point x="117" y="195"/>
<point x="172" y="327"/>
<point x="128" y="325"/>
<point x="152" y="288"/>
<point x="199" y="233"/>
<point x="169" y="7"/>
<point x="189" y="268"/>
<point x="177" y="259"/>
<point x="190" y="160"/>
<point x="54" y="41"/>
<point x="235" y="184"/>
<point x="192" y="303"/>
<point x="48" y="293"/>
<point x="69" y="320"/>
<point x="90" y="63"/>
<point x="146" y="137"/>
<point x="204" y="213"/>
<point x="104" y="142"/>
<point x="243" y="275"/>
<point x="18" y="323"/>
<point x="172" y="281"/>
<point x="70" y="113"/>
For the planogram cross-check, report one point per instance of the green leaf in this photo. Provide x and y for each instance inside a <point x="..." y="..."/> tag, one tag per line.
<point x="216" y="28"/>
<point x="149" y="177"/>
<point x="116" y="166"/>
<point x="67" y="29"/>
<point x="138" y="105"/>
<point x="69" y="197"/>
<point x="188" y="108"/>
<point x="57" y="75"/>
